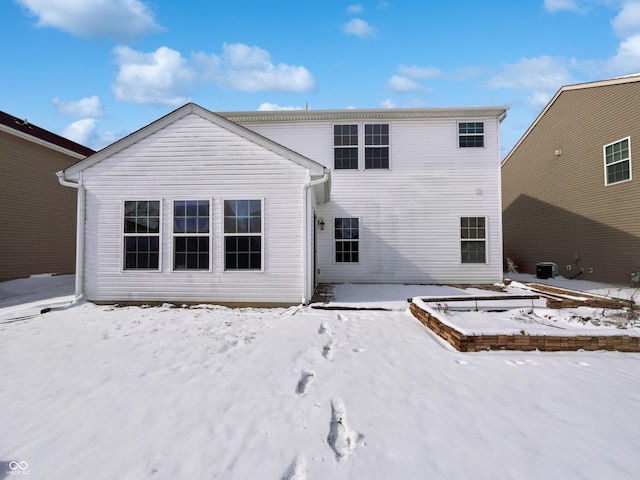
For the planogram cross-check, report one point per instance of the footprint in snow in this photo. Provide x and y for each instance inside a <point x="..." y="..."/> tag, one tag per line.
<point x="342" y="318"/>
<point x="303" y="383"/>
<point x="327" y="350"/>
<point x="521" y="362"/>
<point x="582" y="364"/>
<point x="462" y="362"/>
<point x="341" y="439"/>
<point x="324" y="328"/>
<point x="297" y="470"/>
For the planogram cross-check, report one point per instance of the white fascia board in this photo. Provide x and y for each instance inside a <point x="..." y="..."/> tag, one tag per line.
<point x="39" y="141"/>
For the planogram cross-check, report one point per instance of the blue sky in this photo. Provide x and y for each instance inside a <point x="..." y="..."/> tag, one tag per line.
<point x="96" y="70"/>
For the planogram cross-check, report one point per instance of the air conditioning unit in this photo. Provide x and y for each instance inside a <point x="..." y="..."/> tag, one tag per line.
<point x="546" y="270"/>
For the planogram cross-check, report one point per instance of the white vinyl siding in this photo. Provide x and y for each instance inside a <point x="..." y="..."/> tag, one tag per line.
<point x="194" y="158"/>
<point x="411" y="213"/>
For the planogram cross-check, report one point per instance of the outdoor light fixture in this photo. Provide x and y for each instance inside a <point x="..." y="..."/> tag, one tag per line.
<point x="321" y="223"/>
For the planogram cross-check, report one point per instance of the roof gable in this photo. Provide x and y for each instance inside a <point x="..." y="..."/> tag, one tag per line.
<point x="72" y="173"/>
<point x="575" y="87"/>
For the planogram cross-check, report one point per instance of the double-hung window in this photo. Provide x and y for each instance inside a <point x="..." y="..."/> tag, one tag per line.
<point x="141" y="235"/>
<point x="376" y="146"/>
<point x="617" y="161"/>
<point x="470" y="134"/>
<point x="243" y="234"/>
<point x="345" y="147"/>
<point x="191" y="237"/>
<point x="347" y="238"/>
<point x="473" y="239"/>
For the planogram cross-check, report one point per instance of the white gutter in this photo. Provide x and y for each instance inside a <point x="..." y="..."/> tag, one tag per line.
<point x="306" y="261"/>
<point x="79" y="231"/>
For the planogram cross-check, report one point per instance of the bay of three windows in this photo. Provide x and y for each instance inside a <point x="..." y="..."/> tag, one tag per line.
<point x="191" y="234"/>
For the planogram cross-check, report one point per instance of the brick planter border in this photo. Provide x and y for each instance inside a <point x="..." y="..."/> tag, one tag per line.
<point x="545" y="343"/>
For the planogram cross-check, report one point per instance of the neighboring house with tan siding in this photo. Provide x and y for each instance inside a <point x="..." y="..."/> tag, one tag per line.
<point x="568" y="191"/>
<point x="37" y="218"/>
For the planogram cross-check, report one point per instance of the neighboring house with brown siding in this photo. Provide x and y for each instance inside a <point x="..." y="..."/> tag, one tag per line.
<point x="568" y="190"/>
<point x="37" y="218"/>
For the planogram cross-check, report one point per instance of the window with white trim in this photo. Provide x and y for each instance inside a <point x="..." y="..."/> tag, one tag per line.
<point x="243" y="234"/>
<point x="354" y="142"/>
<point x="376" y="146"/>
<point x="617" y="161"/>
<point x="347" y="239"/>
<point x="473" y="240"/>
<point x="345" y="143"/>
<point x="141" y="232"/>
<point x="191" y="234"/>
<point x="470" y="134"/>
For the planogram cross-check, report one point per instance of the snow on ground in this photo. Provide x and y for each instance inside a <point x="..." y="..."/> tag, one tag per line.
<point x="106" y="392"/>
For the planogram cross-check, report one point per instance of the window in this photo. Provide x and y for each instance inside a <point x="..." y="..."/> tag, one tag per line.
<point x="243" y="234"/>
<point x="376" y="150"/>
<point x="470" y="134"/>
<point x="473" y="235"/>
<point x="617" y="161"/>
<point x="141" y="235"/>
<point x="345" y="141"/>
<point x="191" y="235"/>
<point x="347" y="239"/>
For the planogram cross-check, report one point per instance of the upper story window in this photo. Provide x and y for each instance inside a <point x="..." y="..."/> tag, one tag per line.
<point x="141" y="235"/>
<point x="365" y="145"/>
<point x="470" y="134"/>
<point x="617" y="161"/>
<point x="345" y="141"/>
<point x="473" y="240"/>
<point x="376" y="141"/>
<point x="191" y="235"/>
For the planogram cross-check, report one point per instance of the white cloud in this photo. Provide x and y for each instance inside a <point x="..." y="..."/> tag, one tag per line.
<point x="355" y="9"/>
<point x="359" y="28"/>
<point x="82" y="131"/>
<point x="249" y="69"/>
<point x="419" y="73"/>
<point x="85" y="107"/>
<point x="540" y="76"/>
<point x="264" y="107"/>
<point x="118" y="19"/>
<point x="388" y="103"/>
<point x="158" y="78"/>
<point x="627" y="59"/>
<point x="398" y="83"/>
<point x="627" y="22"/>
<point x="560" y="5"/>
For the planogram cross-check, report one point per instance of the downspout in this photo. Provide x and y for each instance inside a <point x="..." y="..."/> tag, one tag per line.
<point x="306" y="261"/>
<point x="80" y="216"/>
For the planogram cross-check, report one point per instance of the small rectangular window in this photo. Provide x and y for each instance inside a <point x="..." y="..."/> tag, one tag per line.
<point x="617" y="161"/>
<point x="345" y="142"/>
<point x="243" y="234"/>
<point x="191" y="235"/>
<point x="470" y="134"/>
<point x="473" y="238"/>
<point x="376" y="150"/>
<point x="347" y="238"/>
<point x="141" y="232"/>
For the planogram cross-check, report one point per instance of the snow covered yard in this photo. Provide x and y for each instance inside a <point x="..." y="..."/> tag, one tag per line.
<point x="107" y="392"/>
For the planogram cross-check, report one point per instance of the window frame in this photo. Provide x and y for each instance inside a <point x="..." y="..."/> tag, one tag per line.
<point x="355" y="147"/>
<point x="356" y="241"/>
<point x="469" y="239"/>
<point x="473" y="134"/>
<point x="225" y="235"/>
<point x="362" y="147"/>
<point x="175" y="235"/>
<point x="124" y="235"/>
<point x="373" y="146"/>
<point x="607" y="165"/>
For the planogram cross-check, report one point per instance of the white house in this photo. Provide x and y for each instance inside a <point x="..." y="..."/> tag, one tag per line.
<point x="258" y="207"/>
